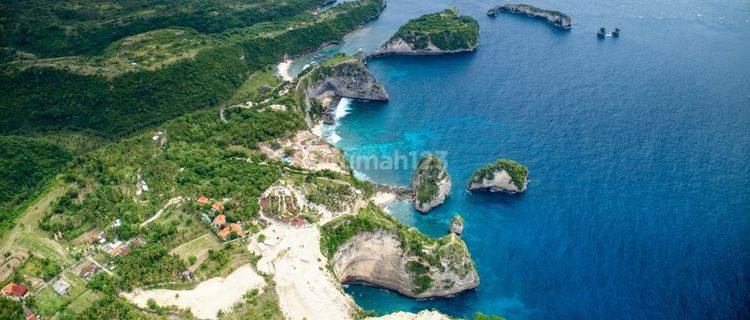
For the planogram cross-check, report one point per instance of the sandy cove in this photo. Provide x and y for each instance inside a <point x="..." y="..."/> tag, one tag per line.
<point x="305" y="287"/>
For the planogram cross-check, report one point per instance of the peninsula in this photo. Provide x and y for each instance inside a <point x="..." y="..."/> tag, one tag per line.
<point x="555" y="18"/>
<point x="436" y="33"/>
<point x="374" y="248"/>
<point x="341" y="76"/>
<point x="502" y="176"/>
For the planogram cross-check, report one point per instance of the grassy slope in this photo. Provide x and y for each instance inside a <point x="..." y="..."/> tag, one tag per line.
<point x="52" y="28"/>
<point x="26" y="164"/>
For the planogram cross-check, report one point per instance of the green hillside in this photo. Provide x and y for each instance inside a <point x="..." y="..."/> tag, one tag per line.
<point x="26" y="165"/>
<point x="148" y="78"/>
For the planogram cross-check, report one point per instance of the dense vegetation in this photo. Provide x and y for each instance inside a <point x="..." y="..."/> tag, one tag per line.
<point x="10" y="309"/>
<point x="26" y="165"/>
<point x="147" y="265"/>
<point x="68" y="96"/>
<point x="518" y="173"/>
<point x="52" y="28"/>
<point x="429" y="172"/>
<point x="446" y="30"/>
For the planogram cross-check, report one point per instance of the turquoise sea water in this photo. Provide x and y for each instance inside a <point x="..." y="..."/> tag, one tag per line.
<point x="638" y="204"/>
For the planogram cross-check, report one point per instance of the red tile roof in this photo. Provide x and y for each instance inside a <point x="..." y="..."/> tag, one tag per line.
<point x="220" y="220"/>
<point x="15" y="290"/>
<point x="203" y="200"/>
<point x="28" y="314"/>
<point x="237" y="229"/>
<point x="224" y="233"/>
<point x="218" y="206"/>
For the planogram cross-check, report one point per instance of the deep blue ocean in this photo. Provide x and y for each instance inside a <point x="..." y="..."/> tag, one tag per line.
<point x="638" y="205"/>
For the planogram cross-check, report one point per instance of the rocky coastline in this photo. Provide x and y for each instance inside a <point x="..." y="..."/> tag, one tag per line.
<point x="341" y="76"/>
<point x="555" y="18"/>
<point x="374" y="248"/>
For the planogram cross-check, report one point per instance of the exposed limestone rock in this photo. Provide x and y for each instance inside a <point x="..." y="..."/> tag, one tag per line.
<point x="431" y="184"/>
<point x="502" y="176"/>
<point x="341" y="76"/>
<point x="374" y="248"/>
<point x="457" y="225"/>
<point x="432" y="34"/>
<point x="347" y="79"/>
<point x="422" y="315"/>
<point x="555" y="18"/>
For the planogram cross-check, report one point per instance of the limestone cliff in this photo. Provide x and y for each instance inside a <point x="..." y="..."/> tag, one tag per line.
<point x="555" y="18"/>
<point x="457" y="225"/>
<point x="374" y="248"/>
<point x="345" y="77"/>
<point x="437" y="33"/>
<point x="502" y="176"/>
<point x="341" y="76"/>
<point x="431" y="184"/>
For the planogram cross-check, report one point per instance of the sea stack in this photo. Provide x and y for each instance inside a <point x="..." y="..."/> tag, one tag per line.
<point x="457" y="225"/>
<point x="602" y="33"/>
<point x="504" y="175"/>
<point x="431" y="184"/>
<point x="553" y="17"/>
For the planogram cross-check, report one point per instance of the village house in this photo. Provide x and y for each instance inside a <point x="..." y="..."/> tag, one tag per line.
<point x="202" y="200"/>
<point x="27" y="314"/>
<point x="89" y="271"/>
<point x="217" y="207"/>
<point x="15" y="291"/>
<point x="220" y="221"/>
<point x="227" y="231"/>
<point x="237" y="229"/>
<point x="61" y="287"/>
<point x="224" y="233"/>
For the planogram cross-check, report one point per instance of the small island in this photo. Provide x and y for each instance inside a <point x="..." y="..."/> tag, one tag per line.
<point x="374" y="248"/>
<point x="431" y="184"/>
<point x="553" y="17"/>
<point x="504" y="175"/>
<point x="436" y="33"/>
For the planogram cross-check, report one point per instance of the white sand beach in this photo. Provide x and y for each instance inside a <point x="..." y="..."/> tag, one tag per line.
<point x="283" y="70"/>
<point x="306" y="290"/>
<point x="208" y="297"/>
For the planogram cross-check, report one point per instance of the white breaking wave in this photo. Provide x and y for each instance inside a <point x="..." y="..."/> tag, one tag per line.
<point x="342" y="108"/>
<point x="328" y="132"/>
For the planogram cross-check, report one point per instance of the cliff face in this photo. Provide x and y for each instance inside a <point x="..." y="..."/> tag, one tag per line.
<point x="431" y="184"/>
<point x="399" y="46"/>
<point x="499" y="182"/>
<point x="348" y="79"/>
<point x="376" y="258"/>
<point x="555" y="18"/>
<point x="502" y="176"/>
<point x="374" y="248"/>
